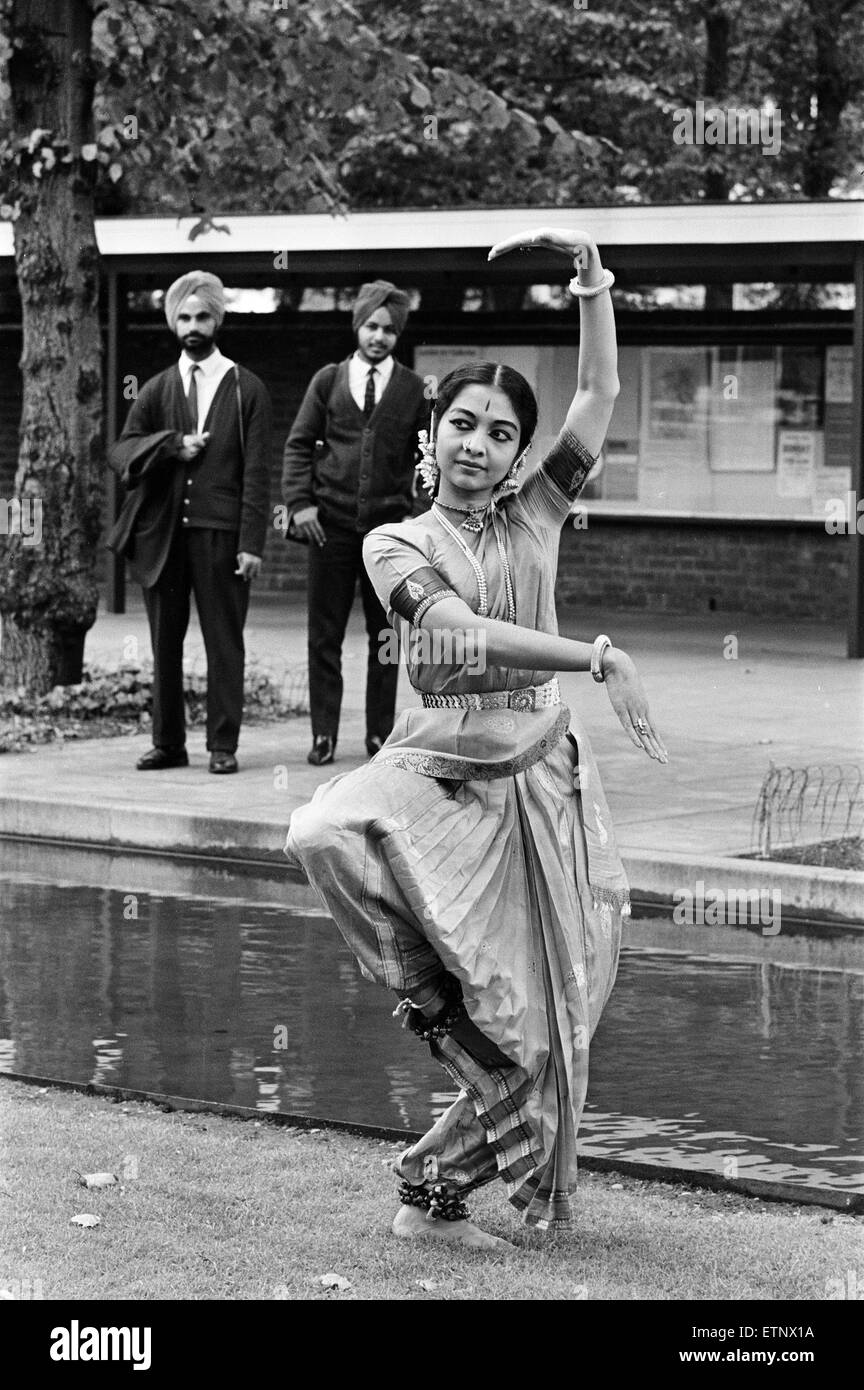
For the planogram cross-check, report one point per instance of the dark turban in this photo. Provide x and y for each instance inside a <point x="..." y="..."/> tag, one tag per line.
<point x="381" y="294"/>
<point x="209" y="289"/>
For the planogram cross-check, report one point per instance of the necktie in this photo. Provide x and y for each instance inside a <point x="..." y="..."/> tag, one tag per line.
<point x="369" y="398"/>
<point x="192" y="397"/>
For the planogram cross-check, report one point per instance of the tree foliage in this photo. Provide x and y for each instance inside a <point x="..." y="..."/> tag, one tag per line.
<point x="310" y="105"/>
<point x="277" y="104"/>
<point x="613" y="76"/>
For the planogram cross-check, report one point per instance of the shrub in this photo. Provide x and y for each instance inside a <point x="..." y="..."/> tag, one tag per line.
<point x="110" y="702"/>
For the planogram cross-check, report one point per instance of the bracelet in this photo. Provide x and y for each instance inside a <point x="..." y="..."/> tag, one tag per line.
<point x="589" y="291"/>
<point x="598" y="651"/>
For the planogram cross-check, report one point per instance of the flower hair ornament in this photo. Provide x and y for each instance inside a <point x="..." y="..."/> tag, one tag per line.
<point x="428" y="465"/>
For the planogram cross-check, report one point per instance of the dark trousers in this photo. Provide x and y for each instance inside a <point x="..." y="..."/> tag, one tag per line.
<point x="201" y="562"/>
<point x="334" y="569"/>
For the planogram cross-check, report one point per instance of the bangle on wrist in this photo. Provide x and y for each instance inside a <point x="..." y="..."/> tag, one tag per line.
<point x="589" y="291"/>
<point x="598" y="651"/>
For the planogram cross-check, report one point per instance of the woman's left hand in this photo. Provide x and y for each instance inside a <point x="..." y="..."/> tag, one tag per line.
<point x="627" y="695"/>
<point x="579" y="245"/>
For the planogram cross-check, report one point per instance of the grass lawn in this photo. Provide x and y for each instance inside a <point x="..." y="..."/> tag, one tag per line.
<point x="212" y="1208"/>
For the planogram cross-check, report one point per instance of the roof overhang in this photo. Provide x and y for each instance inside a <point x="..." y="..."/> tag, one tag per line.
<point x="716" y="241"/>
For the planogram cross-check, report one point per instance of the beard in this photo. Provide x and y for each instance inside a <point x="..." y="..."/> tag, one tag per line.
<point x="195" y="342"/>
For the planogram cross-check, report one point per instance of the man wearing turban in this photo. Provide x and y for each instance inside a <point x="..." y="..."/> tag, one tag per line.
<point x="195" y="455"/>
<point x="349" y="467"/>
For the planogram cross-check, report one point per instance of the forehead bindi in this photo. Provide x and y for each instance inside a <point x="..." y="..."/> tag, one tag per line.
<point x="492" y="408"/>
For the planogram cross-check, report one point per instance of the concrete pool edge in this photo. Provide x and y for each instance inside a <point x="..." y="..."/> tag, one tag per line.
<point x="849" y="1203"/>
<point x="808" y="893"/>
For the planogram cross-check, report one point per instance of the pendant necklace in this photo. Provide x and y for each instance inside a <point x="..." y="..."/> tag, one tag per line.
<point x="474" y="516"/>
<point x="483" y="610"/>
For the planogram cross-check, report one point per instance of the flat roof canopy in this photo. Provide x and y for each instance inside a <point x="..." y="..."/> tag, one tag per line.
<point x="678" y="242"/>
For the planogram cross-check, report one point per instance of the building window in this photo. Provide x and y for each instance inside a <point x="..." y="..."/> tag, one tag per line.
<point x="761" y="431"/>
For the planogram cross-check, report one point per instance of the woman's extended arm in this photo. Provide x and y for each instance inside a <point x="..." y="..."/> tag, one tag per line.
<point x="505" y="644"/>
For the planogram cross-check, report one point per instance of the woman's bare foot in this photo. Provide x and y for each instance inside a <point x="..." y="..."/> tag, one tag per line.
<point x="410" y="1223"/>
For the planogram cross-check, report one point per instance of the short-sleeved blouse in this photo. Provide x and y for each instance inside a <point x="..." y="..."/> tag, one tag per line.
<point x="415" y="561"/>
<point x="423" y="551"/>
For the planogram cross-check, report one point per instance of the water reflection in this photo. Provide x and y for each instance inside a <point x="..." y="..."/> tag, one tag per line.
<point x="741" y="1066"/>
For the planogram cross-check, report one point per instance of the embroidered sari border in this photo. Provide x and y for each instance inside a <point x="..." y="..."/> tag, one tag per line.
<point x="449" y="767"/>
<point x="518" y="1151"/>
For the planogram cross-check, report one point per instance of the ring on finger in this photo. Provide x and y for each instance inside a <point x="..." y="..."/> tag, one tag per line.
<point x="640" y="726"/>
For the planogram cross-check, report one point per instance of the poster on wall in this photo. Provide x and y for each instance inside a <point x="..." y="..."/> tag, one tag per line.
<point x="838" y="375"/>
<point x="800" y="388"/>
<point x="830" y="488"/>
<point x="741" y="426"/>
<point x="796" y="462"/>
<point x="621" y="483"/>
<point x="676" y="395"/>
<point x="838" y="406"/>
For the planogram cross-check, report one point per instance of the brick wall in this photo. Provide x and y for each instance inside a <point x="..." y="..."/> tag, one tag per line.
<point x="690" y="567"/>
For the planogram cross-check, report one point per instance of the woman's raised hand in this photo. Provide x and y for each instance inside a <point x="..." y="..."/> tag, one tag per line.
<point x="627" y="694"/>
<point x="578" y="245"/>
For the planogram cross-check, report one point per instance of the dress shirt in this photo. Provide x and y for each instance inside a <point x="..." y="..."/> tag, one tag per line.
<point x="210" y="373"/>
<point x="358" y="375"/>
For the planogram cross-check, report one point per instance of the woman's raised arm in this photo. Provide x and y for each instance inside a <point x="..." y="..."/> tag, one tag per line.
<point x="597" y="379"/>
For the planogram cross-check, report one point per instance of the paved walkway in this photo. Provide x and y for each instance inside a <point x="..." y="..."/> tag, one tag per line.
<point x="790" y="696"/>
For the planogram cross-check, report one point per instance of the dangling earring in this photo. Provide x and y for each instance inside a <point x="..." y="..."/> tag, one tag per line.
<point x="511" y="482"/>
<point x="428" y="465"/>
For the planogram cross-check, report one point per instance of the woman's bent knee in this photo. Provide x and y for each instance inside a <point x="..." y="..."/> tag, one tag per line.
<point x="308" y="831"/>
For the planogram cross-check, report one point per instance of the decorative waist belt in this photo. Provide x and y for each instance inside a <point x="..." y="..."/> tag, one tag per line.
<point x="530" y="697"/>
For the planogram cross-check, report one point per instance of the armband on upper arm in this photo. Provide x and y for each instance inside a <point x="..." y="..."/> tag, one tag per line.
<point x="412" y="596"/>
<point x="568" y="464"/>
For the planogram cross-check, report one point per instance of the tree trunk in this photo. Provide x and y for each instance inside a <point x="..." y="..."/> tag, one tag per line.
<point x="716" y="180"/>
<point x="48" y="594"/>
<point x="831" y="88"/>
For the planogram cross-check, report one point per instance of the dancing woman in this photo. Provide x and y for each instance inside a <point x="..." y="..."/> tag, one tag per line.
<point x="471" y="865"/>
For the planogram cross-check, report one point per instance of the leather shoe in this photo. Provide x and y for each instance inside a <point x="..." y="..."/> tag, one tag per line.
<point x="322" y="751"/>
<point x="220" y="761"/>
<point x="159" y="758"/>
<point x="374" y="744"/>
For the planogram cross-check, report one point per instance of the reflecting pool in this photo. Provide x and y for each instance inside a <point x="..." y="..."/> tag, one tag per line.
<point x="747" y="1064"/>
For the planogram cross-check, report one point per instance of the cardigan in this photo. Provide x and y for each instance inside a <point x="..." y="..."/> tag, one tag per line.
<point x="362" y="474"/>
<point x="224" y="489"/>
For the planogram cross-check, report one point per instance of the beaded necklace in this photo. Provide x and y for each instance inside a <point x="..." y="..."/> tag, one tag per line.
<point x="475" y="564"/>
